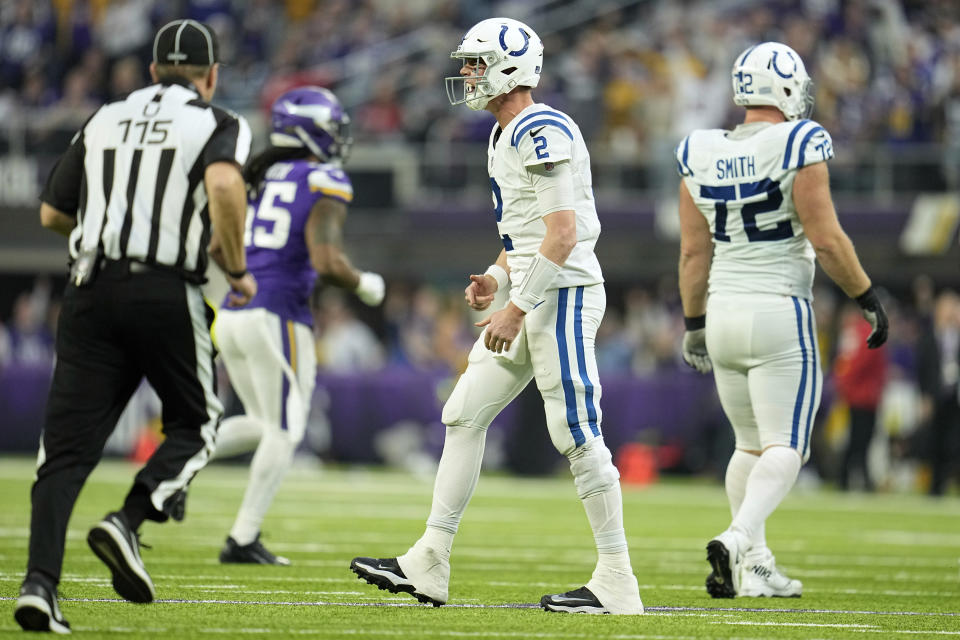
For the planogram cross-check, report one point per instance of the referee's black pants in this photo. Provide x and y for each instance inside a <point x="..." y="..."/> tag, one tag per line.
<point x="131" y="322"/>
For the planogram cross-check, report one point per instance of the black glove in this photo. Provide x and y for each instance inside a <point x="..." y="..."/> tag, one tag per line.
<point x="873" y="311"/>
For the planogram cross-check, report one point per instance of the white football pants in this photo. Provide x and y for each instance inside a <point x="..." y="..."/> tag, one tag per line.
<point x="272" y="366"/>
<point x="767" y="368"/>
<point x="556" y="347"/>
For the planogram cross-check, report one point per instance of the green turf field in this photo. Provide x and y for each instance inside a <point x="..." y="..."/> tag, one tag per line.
<point x="872" y="566"/>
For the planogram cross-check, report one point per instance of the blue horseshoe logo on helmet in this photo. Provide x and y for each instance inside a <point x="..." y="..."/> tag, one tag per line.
<point x="773" y="63"/>
<point x="503" y="42"/>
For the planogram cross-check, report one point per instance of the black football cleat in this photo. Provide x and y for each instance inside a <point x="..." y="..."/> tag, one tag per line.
<point x="253" y="553"/>
<point x="720" y="582"/>
<point x="385" y="573"/>
<point x="717" y="589"/>
<point x="579" y="600"/>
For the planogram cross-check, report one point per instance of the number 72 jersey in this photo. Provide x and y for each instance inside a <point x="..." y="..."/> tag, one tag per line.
<point x="742" y="183"/>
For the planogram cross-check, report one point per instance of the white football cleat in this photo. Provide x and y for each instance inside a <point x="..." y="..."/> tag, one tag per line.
<point x="617" y="590"/>
<point x="761" y="578"/>
<point x="428" y="571"/>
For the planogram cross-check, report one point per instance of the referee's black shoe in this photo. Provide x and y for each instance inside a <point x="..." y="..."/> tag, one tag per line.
<point x="118" y="546"/>
<point x="37" y="608"/>
<point x="253" y="553"/>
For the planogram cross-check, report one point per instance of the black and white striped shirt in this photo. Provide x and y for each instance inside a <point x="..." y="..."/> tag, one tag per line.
<point x="133" y="176"/>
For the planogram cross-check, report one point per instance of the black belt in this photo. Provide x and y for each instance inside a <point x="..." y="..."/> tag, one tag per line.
<point x="126" y="266"/>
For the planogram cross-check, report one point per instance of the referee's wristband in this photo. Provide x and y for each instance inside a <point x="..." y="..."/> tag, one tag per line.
<point x="695" y="323"/>
<point x="236" y="275"/>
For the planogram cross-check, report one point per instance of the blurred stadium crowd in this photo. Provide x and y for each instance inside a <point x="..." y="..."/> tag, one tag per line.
<point x="635" y="75"/>
<point x="638" y="74"/>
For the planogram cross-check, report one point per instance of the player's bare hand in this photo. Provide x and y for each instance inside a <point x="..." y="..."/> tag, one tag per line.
<point x="479" y="293"/>
<point x="242" y="290"/>
<point x="502" y="328"/>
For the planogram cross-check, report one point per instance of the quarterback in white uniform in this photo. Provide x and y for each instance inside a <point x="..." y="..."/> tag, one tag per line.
<point x="755" y="211"/>
<point x="543" y="201"/>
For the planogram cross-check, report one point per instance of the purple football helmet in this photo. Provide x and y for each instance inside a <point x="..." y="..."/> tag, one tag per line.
<point x="311" y="117"/>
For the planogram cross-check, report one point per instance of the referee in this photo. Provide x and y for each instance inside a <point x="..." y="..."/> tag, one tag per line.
<point x="147" y="186"/>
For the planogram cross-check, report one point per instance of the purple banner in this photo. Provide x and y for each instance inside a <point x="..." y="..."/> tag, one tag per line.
<point x="673" y="406"/>
<point x="670" y="407"/>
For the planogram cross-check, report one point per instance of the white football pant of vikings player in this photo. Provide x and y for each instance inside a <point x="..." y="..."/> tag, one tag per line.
<point x="272" y="367"/>
<point x="556" y="348"/>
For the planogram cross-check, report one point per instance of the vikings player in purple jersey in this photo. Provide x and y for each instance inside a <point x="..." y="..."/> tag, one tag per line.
<point x="298" y="202"/>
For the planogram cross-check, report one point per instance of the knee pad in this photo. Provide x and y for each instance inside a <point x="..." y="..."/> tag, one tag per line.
<point x="592" y="468"/>
<point x="458" y="411"/>
<point x="452" y="414"/>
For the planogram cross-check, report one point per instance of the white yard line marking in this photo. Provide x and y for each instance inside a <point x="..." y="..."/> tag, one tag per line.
<point x="227" y="582"/>
<point x="893" y="592"/>
<point x="798" y="624"/>
<point x="320" y="603"/>
<point x="478" y="634"/>
<point x="833" y="611"/>
<point x="395" y="632"/>
<point x="139" y="631"/>
<point x="912" y="538"/>
<point x="173" y="577"/>
<point x="907" y="631"/>
<point x="881" y="560"/>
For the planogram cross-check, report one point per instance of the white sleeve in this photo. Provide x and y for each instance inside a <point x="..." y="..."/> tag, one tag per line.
<point x="553" y="183"/>
<point x="683" y="157"/>
<point x="544" y="139"/>
<point x="807" y="143"/>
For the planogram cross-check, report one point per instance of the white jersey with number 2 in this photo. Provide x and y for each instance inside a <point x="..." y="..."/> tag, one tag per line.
<point x="540" y="135"/>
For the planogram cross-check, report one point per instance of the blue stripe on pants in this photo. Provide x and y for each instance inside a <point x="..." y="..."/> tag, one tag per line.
<point x="570" y="396"/>
<point x="813" y="378"/>
<point x="798" y="405"/>
<point x="582" y="362"/>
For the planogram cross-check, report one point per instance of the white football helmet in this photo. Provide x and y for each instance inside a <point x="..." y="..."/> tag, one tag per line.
<point x="512" y="53"/>
<point x="773" y="74"/>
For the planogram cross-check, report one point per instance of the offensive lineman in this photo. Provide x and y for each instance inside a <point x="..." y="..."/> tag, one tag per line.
<point x="299" y="197"/>
<point x="540" y="175"/>
<point x="760" y="195"/>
